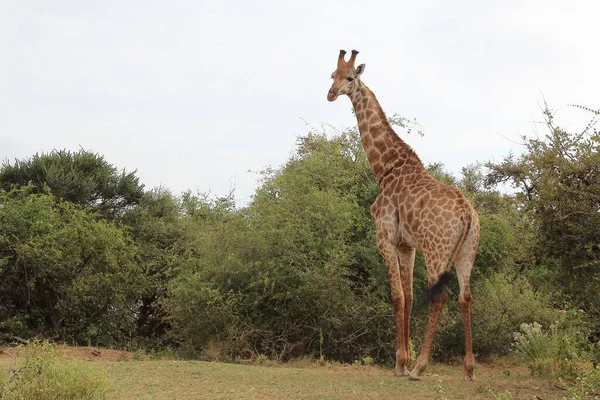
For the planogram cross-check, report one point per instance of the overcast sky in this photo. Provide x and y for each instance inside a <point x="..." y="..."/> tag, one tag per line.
<point x="195" y="94"/>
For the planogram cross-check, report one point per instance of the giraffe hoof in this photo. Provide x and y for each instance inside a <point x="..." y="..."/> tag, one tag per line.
<point x="469" y="376"/>
<point x="400" y="371"/>
<point x="412" y="377"/>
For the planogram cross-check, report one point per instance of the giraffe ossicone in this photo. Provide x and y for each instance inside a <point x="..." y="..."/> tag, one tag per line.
<point x="412" y="211"/>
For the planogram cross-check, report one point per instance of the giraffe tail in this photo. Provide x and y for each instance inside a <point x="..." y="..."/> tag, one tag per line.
<point x="437" y="289"/>
<point x="468" y="218"/>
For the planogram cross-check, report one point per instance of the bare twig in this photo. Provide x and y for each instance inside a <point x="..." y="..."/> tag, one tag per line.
<point x="556" y="385"/>
<point x="597" y="112"/>
<point x="511" y="141"/>
<point x="18" y="339"/>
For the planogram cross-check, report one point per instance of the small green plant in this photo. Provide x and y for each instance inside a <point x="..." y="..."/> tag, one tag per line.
<point x="440" y="392"/>
<point x="506" y="395"/>
<point x="321" y="341"/>
<point x="261" y="359"/>
<point x="584" y="387"/>
<point x="138" y="355"/>
<point x="42" y="376"/>
<point x="167" y="353"/>
<point x="411" y="350"/>
<point x="534" y="347"/>
<point x="364" y="361"/>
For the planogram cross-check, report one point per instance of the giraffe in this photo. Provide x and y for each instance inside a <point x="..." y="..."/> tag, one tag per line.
<point x="413" y="211"/>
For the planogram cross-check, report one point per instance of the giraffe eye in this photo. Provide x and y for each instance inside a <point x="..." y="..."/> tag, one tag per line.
<point x="350" y="79"/>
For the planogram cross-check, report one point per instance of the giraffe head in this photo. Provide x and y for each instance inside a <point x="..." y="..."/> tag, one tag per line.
<point x="345" y="77"/>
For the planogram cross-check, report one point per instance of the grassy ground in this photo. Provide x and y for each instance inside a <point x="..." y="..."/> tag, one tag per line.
<point x="169" y="379"/>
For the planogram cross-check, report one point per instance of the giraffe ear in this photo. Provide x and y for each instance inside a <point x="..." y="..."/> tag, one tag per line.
<point x="359" y="70"/>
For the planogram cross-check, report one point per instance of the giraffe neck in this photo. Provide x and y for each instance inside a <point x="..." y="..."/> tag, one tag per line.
<point x="385" y="150"/>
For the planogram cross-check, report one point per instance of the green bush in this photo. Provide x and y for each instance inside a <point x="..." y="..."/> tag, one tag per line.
<point x="501" y="303"/>
<point x="534" y="348"/>
<point x="201" y="318"/>
<point x="42" y="376"/>
<point x="562" y="353"/>
<point x="296" y="273"/>
<point x="63" y="272"/>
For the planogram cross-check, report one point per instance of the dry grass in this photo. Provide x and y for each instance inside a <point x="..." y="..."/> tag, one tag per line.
<point x="169" y="379"/>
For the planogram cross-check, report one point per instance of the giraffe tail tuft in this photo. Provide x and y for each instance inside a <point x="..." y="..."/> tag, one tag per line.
<point x="436" y="290"/>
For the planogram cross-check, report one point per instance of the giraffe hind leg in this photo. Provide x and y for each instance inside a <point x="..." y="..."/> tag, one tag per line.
<point x="465" y="308"/>
<point x="464" y="265"/>
<point x="437" y="299"/>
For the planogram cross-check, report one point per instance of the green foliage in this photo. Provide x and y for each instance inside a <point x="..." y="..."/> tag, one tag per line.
<point x="161" y="238"/>
<point x="532" y="344"/>
<point x="198" y="313"/>
<point x="561" y="353"/>
<point x="584" y="387"/>
<point x="438" y="172"/>
<point x="407" y="124"/>
<point x="497" y="243"/>
<point x="506" y="395"/>
<point x="559" y="189"/>
<point x="501" y="303"/>
<point x="504" y="303"/>
<point x="83" y="178"/>
<point x="42" y="375"/>
<point x="506" y="239"/>
<point x="87" y="256"/>
<point x="364" y="361"/>
<point x="295" y="273"/>
<point x="62" y="271"/>
<point x="440" y="392"/>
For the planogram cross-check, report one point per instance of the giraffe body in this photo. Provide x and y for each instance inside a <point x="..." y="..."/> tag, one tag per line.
<point x="412" y="211"/>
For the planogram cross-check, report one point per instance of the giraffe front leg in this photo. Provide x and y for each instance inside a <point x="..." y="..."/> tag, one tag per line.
<point x="389" y="252"/>
<point x="386" y="223"/>
<point x="402" y="357"/>
<point x="406" y="262"/>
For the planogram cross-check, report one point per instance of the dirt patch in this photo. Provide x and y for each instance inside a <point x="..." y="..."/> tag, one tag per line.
<point x="98" y="354"/>
<point x="80" y="353"/>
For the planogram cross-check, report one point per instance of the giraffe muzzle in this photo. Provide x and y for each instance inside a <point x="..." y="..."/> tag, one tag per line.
<point x="332" y="94"/>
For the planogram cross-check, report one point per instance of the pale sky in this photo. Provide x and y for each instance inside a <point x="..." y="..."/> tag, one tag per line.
<point x="195" y="94"/>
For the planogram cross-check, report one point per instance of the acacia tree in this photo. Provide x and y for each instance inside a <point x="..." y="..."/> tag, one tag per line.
<point x="82" y="177"/>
